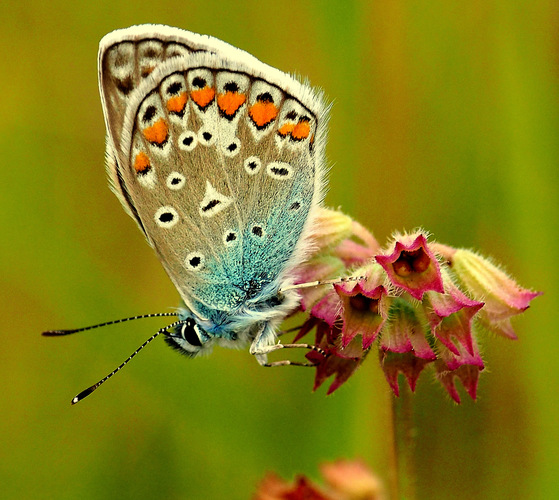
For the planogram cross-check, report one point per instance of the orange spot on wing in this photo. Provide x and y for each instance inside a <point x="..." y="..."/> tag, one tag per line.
<point x="230" y="102"/>
<point x="177" y="103"/>
<point x="301" y="130"/>
<point x="263" y="113"/>
<point x="158" y="132"/>
<point x="141" y="163"/>
<point x="286" y="129"/>
<point x="203" y="97"/>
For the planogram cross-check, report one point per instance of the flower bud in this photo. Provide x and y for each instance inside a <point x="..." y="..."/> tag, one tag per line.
<point x="484" y="281"/>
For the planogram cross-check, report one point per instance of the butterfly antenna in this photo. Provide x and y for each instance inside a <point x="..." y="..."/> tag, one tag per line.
<point x="334" y="281"/>
<point x="89" y="390"/>
<point x="59" y="333"/>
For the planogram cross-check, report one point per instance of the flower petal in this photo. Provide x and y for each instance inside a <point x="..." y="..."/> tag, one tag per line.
<point x="273" y="487"/>
<point x="339" y="362"/>
<point x="330" y="228"/>
<point x="404" y="332"/>
<point x="467" y="374"/>
<point x="328" y="309"/>
<point x="412" y="266"/>
<point x="320" y="268"/>
<point x="353" y="253"/>
<point x="450" y="316"/>
<point x="503" y="297"/>
<point x="364" y="306"/>
<point x="407" y="363"/>
<point x="352" y="480"/>
<point x="462" y="357"/>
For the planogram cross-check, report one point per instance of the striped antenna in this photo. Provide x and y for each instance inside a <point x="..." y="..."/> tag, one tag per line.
<point x="90" y="389"/>
<point x="60" y="333"/>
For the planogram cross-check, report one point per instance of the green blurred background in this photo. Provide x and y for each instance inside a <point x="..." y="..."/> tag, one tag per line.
<point x="445" y="115"/>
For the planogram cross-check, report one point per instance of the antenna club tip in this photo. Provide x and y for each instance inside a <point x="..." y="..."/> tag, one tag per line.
<point x="89" y="390"/>
<point x="57" y="333"/>
<point x="84" y="393"/>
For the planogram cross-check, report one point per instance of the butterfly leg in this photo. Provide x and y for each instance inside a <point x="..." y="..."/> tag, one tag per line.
<point x="276" y="347"/>
<point x="288" y="362"/>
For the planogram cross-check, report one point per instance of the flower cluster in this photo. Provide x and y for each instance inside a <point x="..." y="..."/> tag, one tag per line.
<point x="345" y="480"/>
<point x="416" y="302"/>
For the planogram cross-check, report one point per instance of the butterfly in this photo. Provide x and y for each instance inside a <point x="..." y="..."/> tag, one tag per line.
<point x="219" y="159"/>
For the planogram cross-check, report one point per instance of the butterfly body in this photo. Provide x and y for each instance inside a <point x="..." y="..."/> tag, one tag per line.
<point x="219" y="159"/>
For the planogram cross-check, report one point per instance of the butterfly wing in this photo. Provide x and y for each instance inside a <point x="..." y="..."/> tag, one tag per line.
<point x="218" y="157"/>
<point x="126" y="58"/>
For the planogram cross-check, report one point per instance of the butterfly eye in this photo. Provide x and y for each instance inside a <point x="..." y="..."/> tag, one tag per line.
<point x="206" y="137"/>
<point x="189" y="333"/>
<point x="187" y="338"/>
<point x="291" y="115"/>
<point x="194" y="261"/>
<point x="231" y="87"/>
<point x="279" y="170"/>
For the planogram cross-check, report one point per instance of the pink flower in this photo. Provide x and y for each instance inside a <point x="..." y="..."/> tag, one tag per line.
<point x="405" y="332"/>
<point x="412" y="266"/>
<point x="484" y="281"/>
<point x="450" y="316"/>
<point x="344" y="480"/>
<point x="330" y="228"/>
<point x="407" y="363"/>
<point x="337" y="361"/>
<point x="333" y="239"/>
<point x="354" y="253"/>
<point x="347" y="320"/>
<point x="467" y="374"/>
<point x="275" y="488"/>
<point x="352" y="479"/>
<point x="320" y="268"/>
<point x="364" y="306"/>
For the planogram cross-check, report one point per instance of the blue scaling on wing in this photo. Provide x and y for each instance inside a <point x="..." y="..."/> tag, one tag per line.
<point x="249" y="272"/>
<point x="266" y="258"/>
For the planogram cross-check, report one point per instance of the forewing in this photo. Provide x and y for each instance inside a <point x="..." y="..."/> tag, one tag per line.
<point x="127" y="57"/>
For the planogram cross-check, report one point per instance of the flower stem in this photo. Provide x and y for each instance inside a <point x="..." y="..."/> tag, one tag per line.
<point x="403" y="476"/>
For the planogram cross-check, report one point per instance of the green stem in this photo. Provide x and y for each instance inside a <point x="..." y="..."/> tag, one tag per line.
<point x="403" y="477"/>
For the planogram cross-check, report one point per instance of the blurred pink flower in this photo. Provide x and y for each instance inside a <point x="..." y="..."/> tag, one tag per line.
<point x="344" y="480"/>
